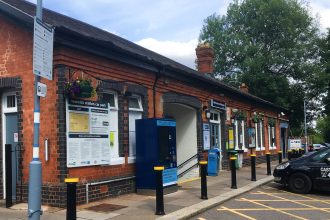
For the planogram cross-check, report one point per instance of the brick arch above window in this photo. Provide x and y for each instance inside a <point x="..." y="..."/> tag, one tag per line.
<point x="191" y="101"/>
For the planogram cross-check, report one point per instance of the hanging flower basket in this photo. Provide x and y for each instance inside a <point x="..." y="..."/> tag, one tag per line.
<point x="271" y="122"/>
<point x="256" y="118"/>
<point x="240" y="116"/>
<point x="80" y="88"/>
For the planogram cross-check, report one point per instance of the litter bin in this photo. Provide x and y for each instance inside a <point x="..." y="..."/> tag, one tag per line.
<point x="240" y="158"/>
<point x="213" y="164"/>
<point x="234" y="153"/>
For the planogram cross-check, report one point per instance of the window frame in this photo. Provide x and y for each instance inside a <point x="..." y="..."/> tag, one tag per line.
<point x="218" y="122"/>
<point x="139" y="99"/>
<point x="117" y="159"/>
<point x="132" y="159"/>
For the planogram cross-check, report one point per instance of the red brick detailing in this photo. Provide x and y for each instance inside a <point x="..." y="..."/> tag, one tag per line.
<point x="205" y="57"/>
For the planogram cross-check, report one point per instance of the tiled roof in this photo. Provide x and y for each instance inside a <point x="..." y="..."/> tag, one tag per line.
<point x="27" y="11"/>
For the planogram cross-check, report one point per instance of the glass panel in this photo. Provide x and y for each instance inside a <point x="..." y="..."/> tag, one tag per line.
<point x="11" y="101"/>
<point x="215" y="137"/>
<point x="134" y="103"/>
<point x="110" y="98"/>
<point x="216" y="117"/>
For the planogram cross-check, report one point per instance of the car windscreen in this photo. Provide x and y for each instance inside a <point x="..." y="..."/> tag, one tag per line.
<point x="319" y="155"/>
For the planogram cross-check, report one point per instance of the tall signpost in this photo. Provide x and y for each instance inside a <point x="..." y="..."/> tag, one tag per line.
<point x="42" y="67"/>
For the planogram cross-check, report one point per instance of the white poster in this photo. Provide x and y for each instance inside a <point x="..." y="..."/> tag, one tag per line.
<point x="88" y="137"/>
<point x="206" y="136"/>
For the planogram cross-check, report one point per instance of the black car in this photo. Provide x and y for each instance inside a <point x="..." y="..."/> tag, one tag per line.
<point x="312" y="170"/>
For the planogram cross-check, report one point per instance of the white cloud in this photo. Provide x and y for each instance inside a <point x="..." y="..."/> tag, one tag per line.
<point x="182" y="52"/>
<point x="322" y="9"/>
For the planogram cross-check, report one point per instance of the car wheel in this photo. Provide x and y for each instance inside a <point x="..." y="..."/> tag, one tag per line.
<point x="300" y="183"/>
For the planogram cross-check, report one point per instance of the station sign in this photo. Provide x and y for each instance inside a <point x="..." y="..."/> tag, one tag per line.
<point x="43" y="40"/>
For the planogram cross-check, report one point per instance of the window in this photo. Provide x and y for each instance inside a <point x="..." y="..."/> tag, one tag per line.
<point x="135" y="112"/>
<point x="239" y="135"/>
<point x="215" y="130"/>
<point x="257" y="136"/>
<point x="112" y="99"/>
<point x="135" y="104"/>
<point x="320" y="156"/>
<point x="9" y="102"/>
<point x="271" y="137"/>
<point x="260" y="139"/>
<point x="261" y="135"/>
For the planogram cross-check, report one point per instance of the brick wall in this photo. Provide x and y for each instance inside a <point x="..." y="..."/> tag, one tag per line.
<point x="16" y="62"/>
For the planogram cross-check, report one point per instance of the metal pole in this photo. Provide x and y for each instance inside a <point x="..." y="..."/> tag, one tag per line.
<point x="35" y="180"/>
<point x="203" y="165"/>
<point x="305" y="124"/>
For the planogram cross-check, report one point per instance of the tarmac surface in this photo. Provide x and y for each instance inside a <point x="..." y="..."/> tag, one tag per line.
<point x="275" y="202"/>
<point x="183" y="204"/>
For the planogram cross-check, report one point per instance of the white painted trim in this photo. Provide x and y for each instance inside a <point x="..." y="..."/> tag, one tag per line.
<point x="4" y="111"/>
<point x="243" y="134"/>
<point x="236" y="134"/>
<point x="262" y="146"/>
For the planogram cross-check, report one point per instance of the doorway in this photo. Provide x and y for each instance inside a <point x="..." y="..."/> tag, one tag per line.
<point x="10" y="136"/>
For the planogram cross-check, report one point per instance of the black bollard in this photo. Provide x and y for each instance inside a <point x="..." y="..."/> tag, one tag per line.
<point x="203" y="165"/>
<point x="233" y="172"/>
<point x="289" y="154"/>
<point x="253" y="167"/>
<point x="269" y="172"/>
<point x="71" y="198"/>
<point x="159" y="190"/>
<point x="280" y="157"/>
<point x="8" y="173"/>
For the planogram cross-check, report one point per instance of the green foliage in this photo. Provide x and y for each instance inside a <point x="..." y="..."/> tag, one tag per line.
<point x="324" y="79"/>
<point x="323" y="128"/>
<point x="273" y="47"/>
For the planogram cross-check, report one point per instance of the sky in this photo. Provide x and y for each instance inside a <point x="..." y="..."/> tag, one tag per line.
<point x="168" y="27"/>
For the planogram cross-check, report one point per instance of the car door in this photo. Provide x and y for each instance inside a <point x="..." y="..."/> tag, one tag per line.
<point x="320" y="170"/>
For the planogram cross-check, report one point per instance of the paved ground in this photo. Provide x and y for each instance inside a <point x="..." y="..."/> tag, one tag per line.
<point x="179" y="205"/>
<point x="270" y="202"/>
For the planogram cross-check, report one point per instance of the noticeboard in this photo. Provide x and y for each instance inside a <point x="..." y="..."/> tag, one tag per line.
<point x="88" y="136"/>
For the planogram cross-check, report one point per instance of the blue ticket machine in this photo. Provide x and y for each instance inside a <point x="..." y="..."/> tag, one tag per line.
<point x="213" y="162"/>
<point x="155" y="146"/>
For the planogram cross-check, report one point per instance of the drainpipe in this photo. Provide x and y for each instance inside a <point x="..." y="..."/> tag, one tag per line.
<point x="154" y="90"/>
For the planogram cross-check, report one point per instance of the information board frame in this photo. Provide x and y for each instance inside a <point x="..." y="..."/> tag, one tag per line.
<point x="88" y="145"/>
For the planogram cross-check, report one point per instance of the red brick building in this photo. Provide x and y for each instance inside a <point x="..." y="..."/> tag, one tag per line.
<point x="136" y="83"/>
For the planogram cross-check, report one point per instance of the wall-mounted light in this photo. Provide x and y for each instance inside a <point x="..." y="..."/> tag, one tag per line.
<point x="282" y="113"/>
<point x="207" y="114"/>
<point x="235" y="110"/>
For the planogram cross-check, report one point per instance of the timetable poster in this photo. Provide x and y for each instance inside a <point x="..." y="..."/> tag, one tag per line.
<point x="88" y="136"/>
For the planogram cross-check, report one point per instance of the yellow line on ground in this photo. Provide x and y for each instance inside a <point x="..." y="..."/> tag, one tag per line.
<point x="282" y="209"/>
<point x="237" y="213"/>
<point x="279" y="200"/>
<point x="299" y="203"/>
<point x="311" y="198"/>
<point x="274" y="209"/>
<point x="189" y="180"/>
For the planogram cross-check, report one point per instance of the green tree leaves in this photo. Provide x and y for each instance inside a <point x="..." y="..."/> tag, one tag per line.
<point x="270" y="45"/>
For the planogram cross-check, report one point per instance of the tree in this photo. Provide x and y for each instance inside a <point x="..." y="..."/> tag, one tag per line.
<point x="271" y="46"/>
